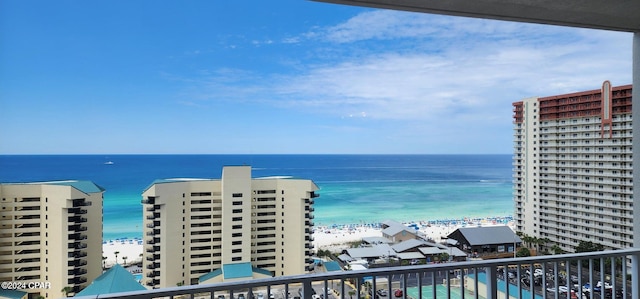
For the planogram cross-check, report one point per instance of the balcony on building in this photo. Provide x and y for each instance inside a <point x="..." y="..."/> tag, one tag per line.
<point x="80" y="203"/>
<point x="77" y="236"/>
<point x="77" y="280"/>
<point x="149" y="201"/>
<point x="76" y="263"/>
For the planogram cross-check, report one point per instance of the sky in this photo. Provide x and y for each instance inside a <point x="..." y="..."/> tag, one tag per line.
<point x="279" y="77"/>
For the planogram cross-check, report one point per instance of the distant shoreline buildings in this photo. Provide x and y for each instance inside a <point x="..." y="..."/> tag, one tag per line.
<point x="212" y="230"/>
<point x="573" y="168"/>
<point x="50" y="234"/>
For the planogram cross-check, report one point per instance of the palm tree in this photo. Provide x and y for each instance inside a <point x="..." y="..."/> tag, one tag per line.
<point x="544" y="241"/>
<point x="540" y="242"/>
<point x="351" y="293"/>
<point x="556" y="249"/>
<point x="116" y="254"/>
<point x="527" y="240"/>
<point x="125" y="260"/>
<point x="66" y="290"/>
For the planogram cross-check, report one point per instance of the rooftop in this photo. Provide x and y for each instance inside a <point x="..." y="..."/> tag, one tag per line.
<point x="115" y="280"/>
<point x="487" y="235"/>
<point x="82" y="186"/>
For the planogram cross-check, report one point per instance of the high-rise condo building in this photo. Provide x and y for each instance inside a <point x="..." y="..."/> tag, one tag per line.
<point x="573" y="168"/>
<point x="50" y="236"/>
<point x="199" y="231"/>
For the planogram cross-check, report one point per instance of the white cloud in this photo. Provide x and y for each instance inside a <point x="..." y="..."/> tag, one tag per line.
<point x="434" y="70"/>
<point x="448" y="65"/>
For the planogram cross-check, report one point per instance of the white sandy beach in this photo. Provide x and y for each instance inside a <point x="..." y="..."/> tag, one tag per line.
<point x="132" y="249"/>
<point x="334" y="239"/>
<point x="337" y="239"/>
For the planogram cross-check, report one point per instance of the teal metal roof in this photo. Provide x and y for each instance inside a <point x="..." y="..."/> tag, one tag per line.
<point x="210" y="275"/>
<point x="115" y="280"/>
<point x="262" y="271"/>
<point x="12" y="294"/>
<point x="230" y="271"/>
<point x="84" y="186"/>
<point x="238" y="270"/>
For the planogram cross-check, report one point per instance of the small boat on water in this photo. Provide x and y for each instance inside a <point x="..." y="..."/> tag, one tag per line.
<point x="108" y="163"/>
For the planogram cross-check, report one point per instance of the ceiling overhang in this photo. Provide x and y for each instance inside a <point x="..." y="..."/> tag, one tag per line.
<point x="618" y="15"/>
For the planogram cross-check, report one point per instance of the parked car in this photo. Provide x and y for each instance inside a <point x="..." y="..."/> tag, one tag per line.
<point x="240" y="296"/>
<point x="597" y="288"/>
<point x="382" y="292"/>
<point x="606" y="285"/>
<point x="562" y="289"/>
<point x="260" y="296"/>
<point x="398" y="293"/>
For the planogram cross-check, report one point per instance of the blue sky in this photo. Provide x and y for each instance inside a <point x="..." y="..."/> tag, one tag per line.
<point x="287" y="76"/>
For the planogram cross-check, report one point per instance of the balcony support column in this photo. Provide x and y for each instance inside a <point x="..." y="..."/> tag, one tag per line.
<point x="307" y="290"/>
<point x="635" y="260"/>
<point x="492" y="281"/>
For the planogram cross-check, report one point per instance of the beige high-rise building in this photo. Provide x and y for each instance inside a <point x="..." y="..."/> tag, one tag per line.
<point x="50" y="236"/>
<point x="199" y="231"/>
<point x="573" y="168"/>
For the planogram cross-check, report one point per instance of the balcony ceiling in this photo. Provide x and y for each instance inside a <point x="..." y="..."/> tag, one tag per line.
<point x="619" y="15"/>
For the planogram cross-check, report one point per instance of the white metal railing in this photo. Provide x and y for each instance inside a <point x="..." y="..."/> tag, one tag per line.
<point x="551" y="276"/>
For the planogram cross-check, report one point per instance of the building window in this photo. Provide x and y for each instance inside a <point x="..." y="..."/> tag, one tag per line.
<point x="237" y="195"/>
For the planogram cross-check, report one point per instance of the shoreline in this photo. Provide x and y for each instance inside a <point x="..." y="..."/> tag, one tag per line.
<point x="335" y="237"/>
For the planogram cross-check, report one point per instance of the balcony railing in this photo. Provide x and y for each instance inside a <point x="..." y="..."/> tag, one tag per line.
<point x="555" y="276"/>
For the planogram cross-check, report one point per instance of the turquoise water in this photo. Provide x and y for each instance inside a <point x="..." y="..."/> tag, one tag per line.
<point x="354" y="189"/>
<point x="455" y="292"/>
<point x="441" y="292"/>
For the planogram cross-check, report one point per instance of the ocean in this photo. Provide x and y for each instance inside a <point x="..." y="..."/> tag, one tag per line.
<point x="354" y="189"/>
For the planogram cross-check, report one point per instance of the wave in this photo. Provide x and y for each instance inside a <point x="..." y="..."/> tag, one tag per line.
<point x="495" y="181"/>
